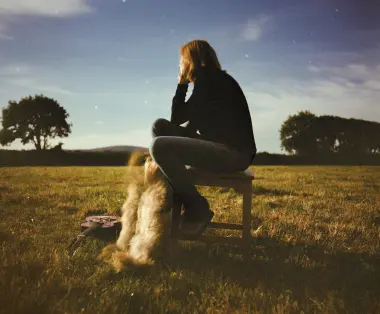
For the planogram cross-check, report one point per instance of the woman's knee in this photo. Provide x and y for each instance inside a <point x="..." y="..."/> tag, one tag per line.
<point x="159" y="127"/>
<point x="157" y="148"/>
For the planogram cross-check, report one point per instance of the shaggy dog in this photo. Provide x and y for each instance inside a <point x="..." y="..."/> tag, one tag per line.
<point x="146" y="219"/>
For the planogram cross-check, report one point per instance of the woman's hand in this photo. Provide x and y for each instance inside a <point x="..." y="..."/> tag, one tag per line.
<point x="181" y="78"/>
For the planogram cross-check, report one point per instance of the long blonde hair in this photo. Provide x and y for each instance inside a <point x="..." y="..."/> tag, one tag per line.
<point x="196" y="54"/>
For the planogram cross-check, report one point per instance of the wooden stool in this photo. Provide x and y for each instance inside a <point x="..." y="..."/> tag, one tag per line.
<point x="242" y="183"/>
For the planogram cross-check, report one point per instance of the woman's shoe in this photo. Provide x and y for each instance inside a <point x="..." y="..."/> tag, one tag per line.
<point x="197" y="227"/>
<point x="196" y="217"/>
<point x="193" y="208"/>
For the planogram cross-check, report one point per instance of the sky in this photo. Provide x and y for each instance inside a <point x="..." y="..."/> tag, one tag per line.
<point x="113" y="65"/>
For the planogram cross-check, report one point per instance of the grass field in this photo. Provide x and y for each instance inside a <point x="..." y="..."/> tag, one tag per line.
<point x="317" y="232"/>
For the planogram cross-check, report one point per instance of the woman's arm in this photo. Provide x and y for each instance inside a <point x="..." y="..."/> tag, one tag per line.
<point x="180" y="108"/>
<point x="184" y="111"/>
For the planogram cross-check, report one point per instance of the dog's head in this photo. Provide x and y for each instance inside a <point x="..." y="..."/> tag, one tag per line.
<point x="152" y="173"/>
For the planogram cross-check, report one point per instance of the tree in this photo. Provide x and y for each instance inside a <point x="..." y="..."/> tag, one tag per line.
<point x="306" y="134"/>
<point x="298" y="134"/>
<point x="34" y="119"/>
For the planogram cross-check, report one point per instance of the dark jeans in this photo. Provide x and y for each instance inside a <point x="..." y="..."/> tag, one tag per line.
<point x="174" y="147"/>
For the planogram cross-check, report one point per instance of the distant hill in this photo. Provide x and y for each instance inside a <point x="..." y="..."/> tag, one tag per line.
<point x="124" y="148"/>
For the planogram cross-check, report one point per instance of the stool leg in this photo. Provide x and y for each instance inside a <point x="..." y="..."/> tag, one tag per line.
<point x="176" y="216"/>
<point x="247" y="207"/>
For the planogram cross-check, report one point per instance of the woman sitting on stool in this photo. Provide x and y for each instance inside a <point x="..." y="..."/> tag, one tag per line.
<point x="217" y="138"/>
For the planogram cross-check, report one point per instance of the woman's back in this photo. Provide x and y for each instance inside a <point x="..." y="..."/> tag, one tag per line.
<point x="220" y="110"/>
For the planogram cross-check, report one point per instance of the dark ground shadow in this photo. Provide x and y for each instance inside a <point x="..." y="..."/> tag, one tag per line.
<point x="69" y="210"/>
<point x="4" y="189"/>
<point x="304" y="271"/>
<point x="260" y="190"/>
<point x="307" y="273"/>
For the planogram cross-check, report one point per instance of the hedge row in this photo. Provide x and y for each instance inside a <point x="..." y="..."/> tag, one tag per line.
<point x="62" y="158"/>
<point x="82" y="158"/>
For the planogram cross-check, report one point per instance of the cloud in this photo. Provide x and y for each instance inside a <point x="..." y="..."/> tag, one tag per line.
<point x="36" y="86"/>
<point x="11" y="10"/>
<point x="14" y="70"/>
<point x="373" y="84"/>
<point x="349" y="91"/>
<point x="65" y="8"/>
<point x="3" y="28"/>
<point x="33" y="78"/>
<point x="349" y="71"/>
<point x="351" y="75"/>
<point x="5" y="37"/>
<point x="53" y="89"/>
<point x="254" y="28"/>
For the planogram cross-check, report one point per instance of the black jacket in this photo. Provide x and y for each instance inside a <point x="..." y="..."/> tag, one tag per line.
<point x="217" y="109"/>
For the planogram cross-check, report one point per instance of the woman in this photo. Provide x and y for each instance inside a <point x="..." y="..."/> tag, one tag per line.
<point x="218" y="136"/>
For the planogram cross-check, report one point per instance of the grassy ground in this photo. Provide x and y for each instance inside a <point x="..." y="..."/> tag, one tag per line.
<point x="317" y="248"/>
